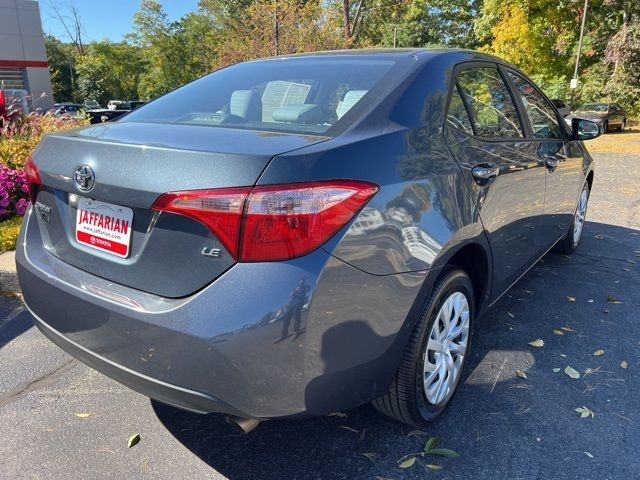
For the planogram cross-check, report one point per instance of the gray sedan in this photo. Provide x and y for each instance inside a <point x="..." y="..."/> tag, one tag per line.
<point x="300" y="235"/>
<point x="607" y="115"/>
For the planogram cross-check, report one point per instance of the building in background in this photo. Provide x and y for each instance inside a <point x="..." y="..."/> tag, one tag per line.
<point x="23" y="58"/>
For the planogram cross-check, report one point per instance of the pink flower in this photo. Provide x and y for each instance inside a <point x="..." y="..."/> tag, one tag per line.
<point x="21" y="206"/>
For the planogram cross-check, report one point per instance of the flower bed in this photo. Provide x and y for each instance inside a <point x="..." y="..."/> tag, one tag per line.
<point x="19" y="135"/>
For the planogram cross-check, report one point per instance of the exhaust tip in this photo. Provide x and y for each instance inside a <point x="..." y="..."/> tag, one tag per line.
<point x="244" y="425"/>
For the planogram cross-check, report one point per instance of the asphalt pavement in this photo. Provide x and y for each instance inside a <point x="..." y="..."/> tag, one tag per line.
<point x="501" y="425"/>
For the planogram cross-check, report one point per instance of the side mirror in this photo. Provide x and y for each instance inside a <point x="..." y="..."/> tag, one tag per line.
<point x="585" y="129"/>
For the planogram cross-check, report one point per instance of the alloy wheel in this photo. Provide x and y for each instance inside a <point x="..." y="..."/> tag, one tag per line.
<point x="581" y="212"/>
<point x="446" y="348"/>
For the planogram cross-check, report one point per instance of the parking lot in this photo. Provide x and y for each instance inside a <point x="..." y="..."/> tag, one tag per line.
<point x="501" y="425"/>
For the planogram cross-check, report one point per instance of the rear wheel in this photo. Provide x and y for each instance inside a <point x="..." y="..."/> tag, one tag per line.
<point x="436" y="354"/>
<point x="570" y="242"/>
<point x="623" y="125"/>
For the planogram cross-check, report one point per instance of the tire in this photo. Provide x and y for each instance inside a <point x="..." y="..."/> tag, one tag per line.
<point x="571" y="240"/>
<point x="623" y="125"/>
<point x="407" y="399"/>
<point x="605" y="127"/>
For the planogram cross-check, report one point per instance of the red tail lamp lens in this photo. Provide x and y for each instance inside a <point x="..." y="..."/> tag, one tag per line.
<point x="268" y="223"/>
<point x="219" y="209"/>
<point x="33" y="178"/>
<point x="283" y="222"/>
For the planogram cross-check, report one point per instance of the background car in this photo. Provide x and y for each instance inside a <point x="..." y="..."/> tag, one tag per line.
<point x="68" y="108"/>
<point x="91" y="104"/>
<point x="607" y="115"/>
<point x="113" y="104"/>
<point x="562" y="106"/>
<point x="130" y="105"/>
<point x="16" y="98"/>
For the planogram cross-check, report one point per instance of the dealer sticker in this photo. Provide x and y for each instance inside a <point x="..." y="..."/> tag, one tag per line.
<point x="104" y="226"/>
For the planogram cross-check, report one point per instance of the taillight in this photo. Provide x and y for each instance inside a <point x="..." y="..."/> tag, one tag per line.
<point x="267" y="223"/>
<point x="33" y="178"/>
<point x="220" y="210"/>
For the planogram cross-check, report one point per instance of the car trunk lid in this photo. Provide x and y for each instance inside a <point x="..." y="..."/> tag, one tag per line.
<point x="132" y="165"/>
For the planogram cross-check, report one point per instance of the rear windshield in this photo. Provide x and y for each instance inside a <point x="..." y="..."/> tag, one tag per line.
<point x="297" y="95"/>
<point x="595" y="107"/>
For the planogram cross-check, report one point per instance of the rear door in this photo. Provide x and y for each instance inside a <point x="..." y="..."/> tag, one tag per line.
<point x="563" y="159"/>
<point x="486" y="136"/>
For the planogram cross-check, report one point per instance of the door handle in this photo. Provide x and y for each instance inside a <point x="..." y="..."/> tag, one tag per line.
<point x="483" y="173"/>
<point x="551" y="163"/>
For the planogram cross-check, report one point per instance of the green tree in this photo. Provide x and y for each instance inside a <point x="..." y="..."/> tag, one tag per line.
<point x="62" y="68"/>
<point x="174" y="51"/>
<point x="110" y="71"/>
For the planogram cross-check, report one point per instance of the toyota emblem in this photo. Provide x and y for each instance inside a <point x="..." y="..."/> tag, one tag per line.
<point x="84" y="178"/>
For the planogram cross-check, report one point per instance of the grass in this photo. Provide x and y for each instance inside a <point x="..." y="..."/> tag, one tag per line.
<point x="9" y="230"/>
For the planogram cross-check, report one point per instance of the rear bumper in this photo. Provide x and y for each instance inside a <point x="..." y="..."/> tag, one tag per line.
<point x="241" y="345"/>
<point x="174" y="395"/>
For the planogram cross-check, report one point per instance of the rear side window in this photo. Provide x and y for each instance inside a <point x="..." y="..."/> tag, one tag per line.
<point x="493" y="113"/>
<point x="296" y="95"/>
<point x="542" y="116"/>
<point x="457" y="115"/>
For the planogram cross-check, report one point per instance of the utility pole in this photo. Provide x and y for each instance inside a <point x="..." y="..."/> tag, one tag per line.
<point x="574" y="80"/>
<point x="276" y="26"/>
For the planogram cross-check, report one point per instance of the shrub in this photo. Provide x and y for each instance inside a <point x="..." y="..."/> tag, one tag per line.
<point x="19" y="134"/>
<point x="9" y="230"/>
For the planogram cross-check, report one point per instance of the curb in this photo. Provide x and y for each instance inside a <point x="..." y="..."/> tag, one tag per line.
<point x="8" y="275"/>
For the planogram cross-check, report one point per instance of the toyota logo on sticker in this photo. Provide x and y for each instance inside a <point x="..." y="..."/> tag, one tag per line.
<point x="84" y="178"/>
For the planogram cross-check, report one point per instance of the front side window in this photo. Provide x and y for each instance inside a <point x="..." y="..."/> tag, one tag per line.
<point x="295" y="95"/>
<point x="542" y="116"/>
<point x="492" y="110"/>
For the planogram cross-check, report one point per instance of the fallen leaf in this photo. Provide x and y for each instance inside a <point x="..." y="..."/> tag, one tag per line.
<point x="567" y="329"/>
<point x="511" y="315"/>
<point x="558" y="332"/>
<point x="82" y="415"/>
<point x="556" y="370"/>
<point x="598" y="237"/>
<point x="133" y="440"/>
<point x="338" y="414"/>
<point x="584" y="412"/>
<point x="572" y="372"/>
<point x="571" y="299"/>
<point x="521" y="374"/>
<point x="612" y="299"/>
<point x="432" y="443"/>
<point x="590" y="300"/>
<point x="433" y="466"/>
<point x="624" y="364"/>
<point x="537" y="343"/>
<point x="408" y="462"/>
<point x="417" y="433"/>
<point x="588" y="454"/>
<point x="598" y="353"/>
<point x="349" y="428"/>
<point x="444" y="452"/>
<point x="370" y="456"/>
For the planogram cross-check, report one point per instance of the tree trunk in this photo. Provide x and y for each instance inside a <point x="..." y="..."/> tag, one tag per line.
<point x="345" y="15"/>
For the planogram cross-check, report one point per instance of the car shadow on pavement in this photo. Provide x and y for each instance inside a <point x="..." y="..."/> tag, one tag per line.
<point x="14" y="320"/>
<point x="502" y="425"/>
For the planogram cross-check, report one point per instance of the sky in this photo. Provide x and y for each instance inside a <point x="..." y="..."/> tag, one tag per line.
<point x="101" y="19"/>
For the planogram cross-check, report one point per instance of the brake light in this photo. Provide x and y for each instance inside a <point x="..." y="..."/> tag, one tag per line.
<point x="220" y="210"/>
<point x="268" y="223"/>
<point x="33" y="178"/>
